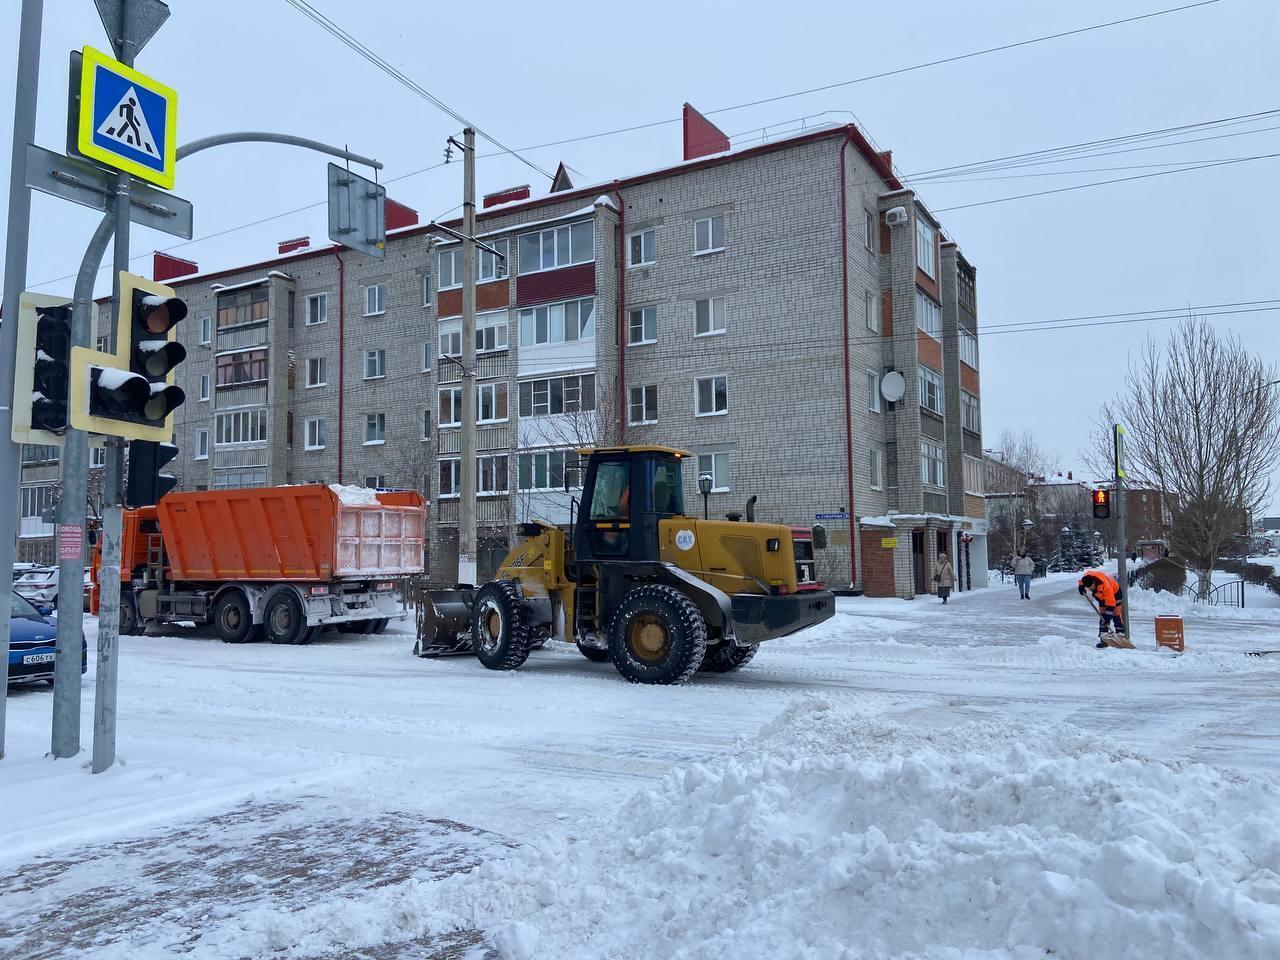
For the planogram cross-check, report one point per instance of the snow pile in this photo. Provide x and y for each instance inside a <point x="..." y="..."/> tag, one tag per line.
<point x="1259" y="605"/>
<point x="836" y="834"/>
<point x="353" y="496"/>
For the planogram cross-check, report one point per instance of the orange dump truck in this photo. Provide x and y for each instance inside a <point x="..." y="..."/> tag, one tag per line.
<point x="272" y="562"/>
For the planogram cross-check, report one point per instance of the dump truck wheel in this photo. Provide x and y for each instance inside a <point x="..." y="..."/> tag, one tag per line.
<point x="128" y="618"/>
<point x="725" y="658"/>
<point x="499" y="626"/>
<point x="283" y="620"/>
<point x="594" y="654"/>
<point x="233" y="621"/>
<point x="657" y="635"/>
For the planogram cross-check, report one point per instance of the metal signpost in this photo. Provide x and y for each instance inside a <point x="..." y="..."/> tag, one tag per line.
<point x="1122" y="563"/>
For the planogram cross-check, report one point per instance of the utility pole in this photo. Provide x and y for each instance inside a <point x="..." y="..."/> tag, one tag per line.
<point x="467" y="468"/>
<point x="15" y="278"/>
<point x="1122" y="563"/>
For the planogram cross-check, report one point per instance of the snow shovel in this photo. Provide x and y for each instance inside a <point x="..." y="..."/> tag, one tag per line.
<point x="1112" y="639"/>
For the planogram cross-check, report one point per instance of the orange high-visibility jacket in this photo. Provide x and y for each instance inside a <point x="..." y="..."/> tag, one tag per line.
<point x="1106" y="588"/>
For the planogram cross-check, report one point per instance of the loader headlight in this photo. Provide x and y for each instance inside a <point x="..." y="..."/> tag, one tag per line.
<point x="773" y="545"/>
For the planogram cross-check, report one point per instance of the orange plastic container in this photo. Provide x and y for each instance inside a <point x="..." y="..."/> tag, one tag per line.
<point x="301" y="533"/>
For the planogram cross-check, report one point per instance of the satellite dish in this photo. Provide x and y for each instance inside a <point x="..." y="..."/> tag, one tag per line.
<point x="893" y="386"/>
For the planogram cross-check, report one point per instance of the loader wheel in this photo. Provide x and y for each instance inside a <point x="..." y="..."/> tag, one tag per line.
<point x="594" y="654"/>
<point x="725" y="658"/>
<point x="657" y="635"/>
<point x="283" y="620"/>
<point x="499" y="625"/>
<point x="233" y="620"/>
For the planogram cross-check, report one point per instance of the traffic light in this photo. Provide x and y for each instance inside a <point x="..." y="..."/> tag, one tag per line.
<point x="131" y="393"/>
<point x="145" y="484"/>
<point x="43" y="373"/>
<point x="1101" y="504"/>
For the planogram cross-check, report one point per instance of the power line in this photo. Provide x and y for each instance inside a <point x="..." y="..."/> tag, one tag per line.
<point x="341" y="34"/>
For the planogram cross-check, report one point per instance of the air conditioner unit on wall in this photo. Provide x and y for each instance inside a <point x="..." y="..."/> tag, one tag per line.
<point x="895" y="216"/>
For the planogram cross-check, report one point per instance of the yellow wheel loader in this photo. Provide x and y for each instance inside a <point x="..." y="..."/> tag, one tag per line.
<point x="636" y="581"/>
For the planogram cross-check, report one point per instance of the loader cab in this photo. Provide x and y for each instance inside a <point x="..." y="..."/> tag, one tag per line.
<point x="626" y="492"/>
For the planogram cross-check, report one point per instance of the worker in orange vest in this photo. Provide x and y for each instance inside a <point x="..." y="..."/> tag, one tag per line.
<point x="1105" y="590"/>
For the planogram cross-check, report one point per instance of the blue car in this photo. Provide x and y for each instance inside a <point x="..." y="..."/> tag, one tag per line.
<point x="32" y="642"/>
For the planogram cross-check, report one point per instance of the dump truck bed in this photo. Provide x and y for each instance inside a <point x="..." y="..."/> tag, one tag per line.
<point x="304" y="533"/>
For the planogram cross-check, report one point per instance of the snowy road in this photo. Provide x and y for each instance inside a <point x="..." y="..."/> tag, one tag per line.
<point x="232" y="753"/>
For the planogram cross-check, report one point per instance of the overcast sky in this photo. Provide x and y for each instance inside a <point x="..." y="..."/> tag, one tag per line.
<point x="529" y="74"/>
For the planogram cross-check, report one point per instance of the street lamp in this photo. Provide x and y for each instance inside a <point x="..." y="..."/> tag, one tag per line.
<point x="1026" y="532"/>
<point x="704" y="487"/>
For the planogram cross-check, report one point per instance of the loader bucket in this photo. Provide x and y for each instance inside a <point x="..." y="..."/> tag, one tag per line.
<point x="444" y="623"/>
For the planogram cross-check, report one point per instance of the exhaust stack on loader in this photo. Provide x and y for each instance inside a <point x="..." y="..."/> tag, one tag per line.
<point x="637" y="581"/>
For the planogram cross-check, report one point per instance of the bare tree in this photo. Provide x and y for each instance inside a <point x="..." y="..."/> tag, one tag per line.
<point x="1201" y="421"/>
<point x="1023" y="451"/>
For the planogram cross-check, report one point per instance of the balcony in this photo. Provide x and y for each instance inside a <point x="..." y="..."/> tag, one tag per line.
<point x="489" y="366"/>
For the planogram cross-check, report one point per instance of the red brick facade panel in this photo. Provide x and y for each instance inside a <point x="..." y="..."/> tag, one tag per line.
<point x="489" y="296"/>
<point x="969" y="379"/>
<point x="929" y="351"/>
<point x="552" y="285"/>
<point x="877" y="564"/>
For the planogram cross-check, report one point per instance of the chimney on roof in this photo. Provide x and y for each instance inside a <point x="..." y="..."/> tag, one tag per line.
<point x="506" y="196"/>
<point x="701" y="137"/>
<point x="398" y="215"/>
<point x="1069" y="477"/>
<point x="165" y="266"/>
<point x="290" y="246"/>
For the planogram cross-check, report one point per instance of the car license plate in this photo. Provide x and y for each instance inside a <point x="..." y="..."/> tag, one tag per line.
<point x="39" y="658"/>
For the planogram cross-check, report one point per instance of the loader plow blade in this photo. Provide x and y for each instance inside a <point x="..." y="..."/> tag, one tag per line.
<point x="444" y="623"/>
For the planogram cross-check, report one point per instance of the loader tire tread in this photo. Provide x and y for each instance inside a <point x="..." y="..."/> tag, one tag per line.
<point x="725" y="658"/>
<point x="686" y="629"/>
<point x="510" y="649"/>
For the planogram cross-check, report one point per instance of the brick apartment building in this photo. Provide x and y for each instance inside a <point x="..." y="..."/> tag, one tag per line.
<point x="745" y="305"/>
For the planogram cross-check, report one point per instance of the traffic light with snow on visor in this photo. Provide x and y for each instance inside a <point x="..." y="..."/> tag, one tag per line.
<point x="1101" y="504"/>
<point x="43" y="370"/>
<point x="131" y="393"/>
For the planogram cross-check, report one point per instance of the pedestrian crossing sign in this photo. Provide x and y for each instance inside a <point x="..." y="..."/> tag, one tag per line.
<point x="127" y="120"/>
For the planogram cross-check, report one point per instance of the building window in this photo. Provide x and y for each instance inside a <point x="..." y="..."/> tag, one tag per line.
<point x="105" y="342"/>
<point x="316" y="376"/>
<point x="98" y="456"/>
<point x="451" y="341"/>
<point x="871" y="311"/>
<point x="449" y="478"/>
<point x="375" y="364"/>
<point x="541" y="398"/>
<point x="243" y="306"/>
<point x="926" y="247"/>
<point x="557" y="247"/>
<point x="708" y="234"/>
<point x="244" y="426"/>
<point x="708" y="317"/>
<point x="716" y="464"/>
<point x="640" y="248"/>
<point x="236" y="479"/>
<point x="202" y="445"/>
<point x="426" y="289"/>
<point x="930" y="389"/>
<point x="558" y="323"/>
<point x="206" y="333"/>
<point x="932" y="467"/>
<point x="643" y="404"/>
<point x="973" y="476"/>
<point x="966" y="293"/>
<point x="869" y="230"/>
<point x="873" y="391"/>
<point x="375" y="299"/>
<point x="450" y="268"/>
<point x="710" y="396"/>
<point x="491" y="334"/>
<point x="492" y="474"/>
<point x="314" y="434"/>
<point x="491" y="403"/>
<point x="376" y="481"/>
<point x="450" y="412"/>
<point x="544" y="470"/>
<point x="426" y="424"/>
<point x="928" y="314"/>
<point x="877" y="469"/>
<point x="375" y="428"/>
<point x="488" y="266"/>
<point x="642" y="326"/>
<point x="204" y="387"/>
<point x="247" y="366"/>
<point x="35" y="500"/>
<point x="970" y="412"/>
<point x="968" y="348"/>
<point x="317" y="309"/>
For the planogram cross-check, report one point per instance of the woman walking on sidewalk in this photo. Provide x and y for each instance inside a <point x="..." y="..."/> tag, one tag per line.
<point x="945" y="578"/>
<point x="1023" y="568"/>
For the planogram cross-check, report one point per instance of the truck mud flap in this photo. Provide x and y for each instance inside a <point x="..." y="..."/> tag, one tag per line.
<point x="444" y="623"/>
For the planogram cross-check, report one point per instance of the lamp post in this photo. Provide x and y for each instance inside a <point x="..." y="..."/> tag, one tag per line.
<point x="704" y="487"/>
<point x="1026" y="532"/>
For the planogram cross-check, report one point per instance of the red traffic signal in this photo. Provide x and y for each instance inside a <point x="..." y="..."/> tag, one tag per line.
<point x="1101" y="504"/>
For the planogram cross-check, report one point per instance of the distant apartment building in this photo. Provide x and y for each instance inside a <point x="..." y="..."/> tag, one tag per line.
<point x="745" y="305"/>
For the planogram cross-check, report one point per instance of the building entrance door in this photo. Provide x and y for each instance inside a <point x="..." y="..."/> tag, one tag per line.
<point x="917" y="561"/>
